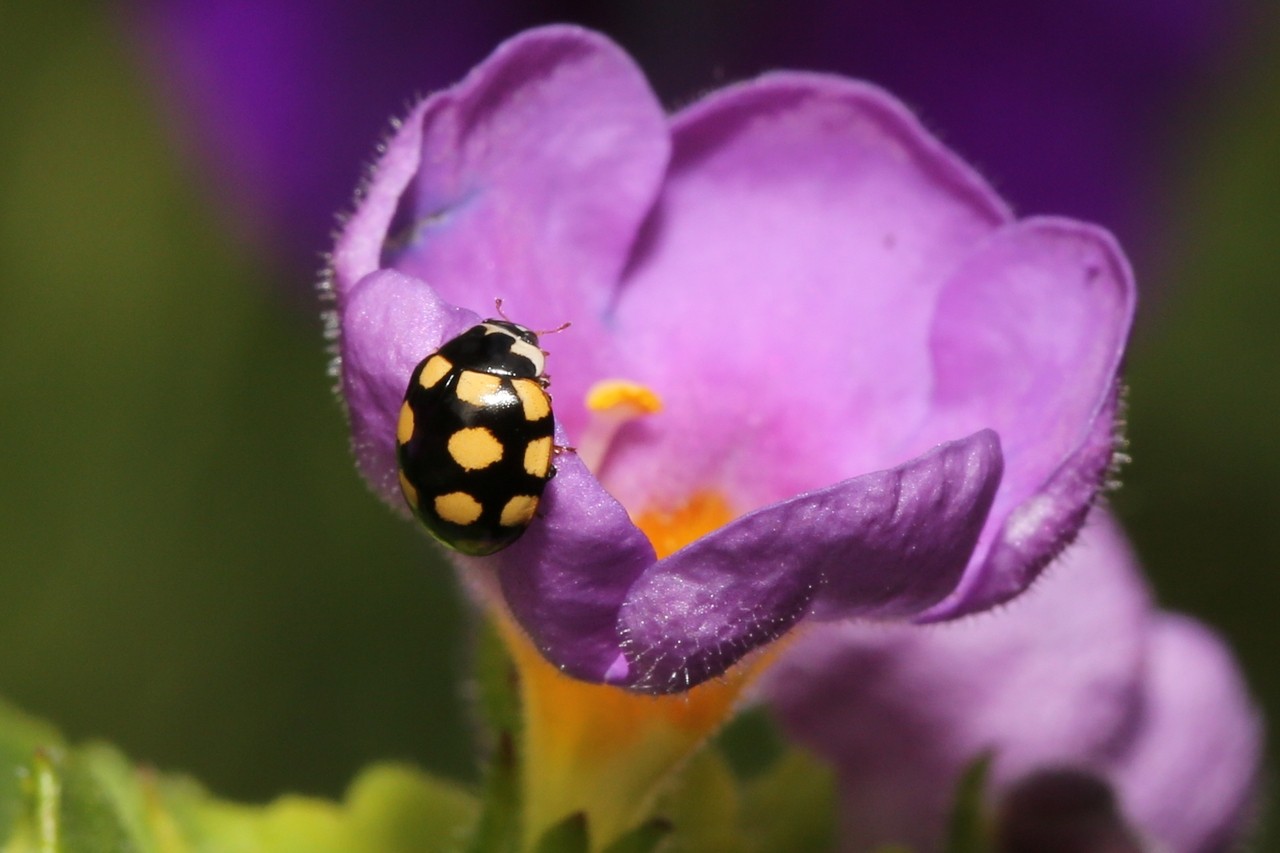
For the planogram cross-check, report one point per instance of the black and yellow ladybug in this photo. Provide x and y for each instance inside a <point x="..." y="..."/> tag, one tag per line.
<point x="475" y="437"/>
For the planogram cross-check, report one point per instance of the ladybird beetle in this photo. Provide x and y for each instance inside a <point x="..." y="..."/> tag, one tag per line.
<point x="474" y="440"/>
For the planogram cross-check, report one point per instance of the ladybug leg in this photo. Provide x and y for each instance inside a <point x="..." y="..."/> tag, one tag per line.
<point x="556" y="450"/>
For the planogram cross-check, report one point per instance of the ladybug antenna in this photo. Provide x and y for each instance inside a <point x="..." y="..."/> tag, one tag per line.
<point x="497" y="304"/>
<point x="566" y="324"/>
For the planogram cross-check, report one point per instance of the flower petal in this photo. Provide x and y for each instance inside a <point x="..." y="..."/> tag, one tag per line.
<point x="805" y="227"/>
<point x="901" y="710"/>
<point x="1028" y="339"/>
<point x="565" y="578"/>
<point x="390" y="322"/>
<point x="526" y="181"/>
<point x="1192" y="776"/>
<point x="886" y="544"/>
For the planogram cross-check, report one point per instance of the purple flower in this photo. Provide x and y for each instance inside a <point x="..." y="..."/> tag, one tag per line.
<point x="1080" y="679"/>
<point x="881" y="396"/>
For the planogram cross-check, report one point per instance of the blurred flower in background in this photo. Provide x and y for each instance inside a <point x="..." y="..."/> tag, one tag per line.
<point x="1081" y="678"/>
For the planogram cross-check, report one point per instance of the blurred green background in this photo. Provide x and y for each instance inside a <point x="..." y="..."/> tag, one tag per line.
<point x="189" y="564"/>
<point x="191" y="568"/>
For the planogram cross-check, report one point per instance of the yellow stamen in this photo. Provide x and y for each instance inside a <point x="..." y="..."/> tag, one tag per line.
<point x="612" y="403"/>
<point x="615" y="394"/>
<point x="603" y="750"/>
<point x="671" y="530"/>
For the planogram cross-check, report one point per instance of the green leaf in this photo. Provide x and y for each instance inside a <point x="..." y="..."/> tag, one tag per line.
<point x="388" y="809"/>
<point x="643" y="839"/>
<point x="567" y="836"/>
<point x="498" y="827"/>
<point x="497" y="683"/>
<point x="747" y="792"/>
<point x="20" y="737"/>
<point x="70" y="808"/>
<point x="751" y="742"/>
<point x="102" y="803"/>
<point x="69" y="800"/>
<point x="289" y="824"/>
<point x="968" y="829"/>
<point x="399" y="808"/>
<point x="788" y="797"/>
<point x="791" y="806"/>
<point x="91" y="799"/>
<point x="702" y="807"/>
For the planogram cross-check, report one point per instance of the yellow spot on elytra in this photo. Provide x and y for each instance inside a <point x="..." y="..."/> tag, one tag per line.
<point x="458" y="508"/>
<point x="410" y="493"/>
<point x="404" y="428"/>
<point x="434" y="370"/>
<point x="536" y="403"/>
<point x="669" y="530"/>
<point x="537" y="456"/>
<point x="474" y="448"/>
<point x="610" y="395"/>
<point x="474" y="387"/>
<point x="518" y="511"/>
